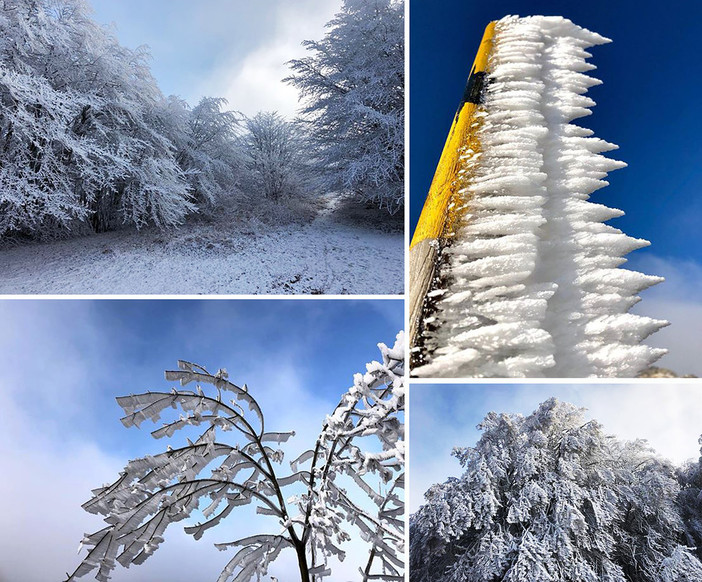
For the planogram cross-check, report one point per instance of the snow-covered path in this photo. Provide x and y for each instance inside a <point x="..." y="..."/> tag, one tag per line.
<point x="327" y="256"/>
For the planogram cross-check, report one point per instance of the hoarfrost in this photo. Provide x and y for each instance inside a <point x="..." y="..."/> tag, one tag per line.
<point x="154" y="491"/>
<point x="533" y="284"/>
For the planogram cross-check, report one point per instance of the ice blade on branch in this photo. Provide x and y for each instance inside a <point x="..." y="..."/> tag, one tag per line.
<point x="363" y="438"/>
<point x="320" y="571"/>
<point x="303" y="458"/>
<point x="198" y="530"/>
<point x="276" y="437"/>
<point x="299" y="476"/>
<point x="254" y="557"/>
<point x="220" y="382"/>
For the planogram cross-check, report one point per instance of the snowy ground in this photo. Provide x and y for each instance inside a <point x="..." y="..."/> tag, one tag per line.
<point x="352" y="250"/>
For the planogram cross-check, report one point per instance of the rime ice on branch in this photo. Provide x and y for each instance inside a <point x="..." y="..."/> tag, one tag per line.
<point x="362" y="441"/>
<point x="531" y="285"/>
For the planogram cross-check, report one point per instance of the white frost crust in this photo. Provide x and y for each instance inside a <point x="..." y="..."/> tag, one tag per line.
<point x="534" y="285"/>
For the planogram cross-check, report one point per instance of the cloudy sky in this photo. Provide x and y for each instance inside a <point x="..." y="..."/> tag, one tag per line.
<point x="64" y="362"/>
<point x="667" y="414"/>
<point x="235" y="49"/>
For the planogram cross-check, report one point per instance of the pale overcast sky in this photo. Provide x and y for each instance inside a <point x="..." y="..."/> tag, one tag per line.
<point x="63" y="364"/>
<point x="235" y="49"/>
<point x="667" y="414"/>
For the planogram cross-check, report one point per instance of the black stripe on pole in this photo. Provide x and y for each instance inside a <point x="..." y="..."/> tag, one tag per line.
<point x="474" y="91"/>
<point x="474" y="88"/>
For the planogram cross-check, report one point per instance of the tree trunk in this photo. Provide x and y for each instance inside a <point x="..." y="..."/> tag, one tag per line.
<point x="302" y="562"/>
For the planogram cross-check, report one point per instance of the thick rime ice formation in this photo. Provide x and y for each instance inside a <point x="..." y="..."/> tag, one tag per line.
<point x="531" y="284"/>
<point x="348" y="484"/>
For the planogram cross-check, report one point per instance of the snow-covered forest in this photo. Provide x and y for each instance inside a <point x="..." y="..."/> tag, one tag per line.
<point x="553" y="497"/>
<point x="89" y="144"/>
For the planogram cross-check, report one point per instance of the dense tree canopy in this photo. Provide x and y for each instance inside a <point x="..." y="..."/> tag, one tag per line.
<point x="690" y="500"/>
<point x="88" y="141"/>
<point x="82" y="126"/>
<point x="552" y="497"/>
<point x="353" y="89"/>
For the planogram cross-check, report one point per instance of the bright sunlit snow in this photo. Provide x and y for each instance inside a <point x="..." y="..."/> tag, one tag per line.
<point x="332" y="254"/>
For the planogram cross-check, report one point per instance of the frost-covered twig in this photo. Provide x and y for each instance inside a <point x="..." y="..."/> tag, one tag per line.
<point x="370" y="409"/>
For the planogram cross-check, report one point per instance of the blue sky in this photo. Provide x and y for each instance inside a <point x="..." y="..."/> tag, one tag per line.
<point x="64" y="362"/>
<point x="235" y="49"/>
<point x="648" y="105"/>
<point x="444" y="416"/>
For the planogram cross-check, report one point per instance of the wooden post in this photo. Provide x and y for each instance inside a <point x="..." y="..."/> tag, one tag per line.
<point x="433" y="222"/>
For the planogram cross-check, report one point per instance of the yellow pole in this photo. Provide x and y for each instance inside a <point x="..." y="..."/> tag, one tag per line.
<point x="432" y="223"/>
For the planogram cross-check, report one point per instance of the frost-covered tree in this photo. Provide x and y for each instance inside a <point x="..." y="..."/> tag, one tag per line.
<point x="207" y="149"/>
<point x="275" y="158"/>
<point x="690" y="500"/>
<point x="552" y="498"/>
<point x="351" y="479"/>
<point x="82" y="126"/>
<point x="36" y="190"/>
<point x="352" y="85"/>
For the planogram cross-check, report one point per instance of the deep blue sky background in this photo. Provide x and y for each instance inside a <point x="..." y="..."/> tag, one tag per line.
<point x="648" y="105"/>
<point x="128" y="344"/>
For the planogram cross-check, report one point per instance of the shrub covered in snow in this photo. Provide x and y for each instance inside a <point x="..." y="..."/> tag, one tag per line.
<point x="277" y="165"/>
<point x="207" y="149"/>
<point x="81" y="126"/>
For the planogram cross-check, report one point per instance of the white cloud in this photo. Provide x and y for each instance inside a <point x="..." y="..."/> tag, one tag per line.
<point x="677" y="300"/>
<point x="236" y="49"/>
<point x="253" y="82"/>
